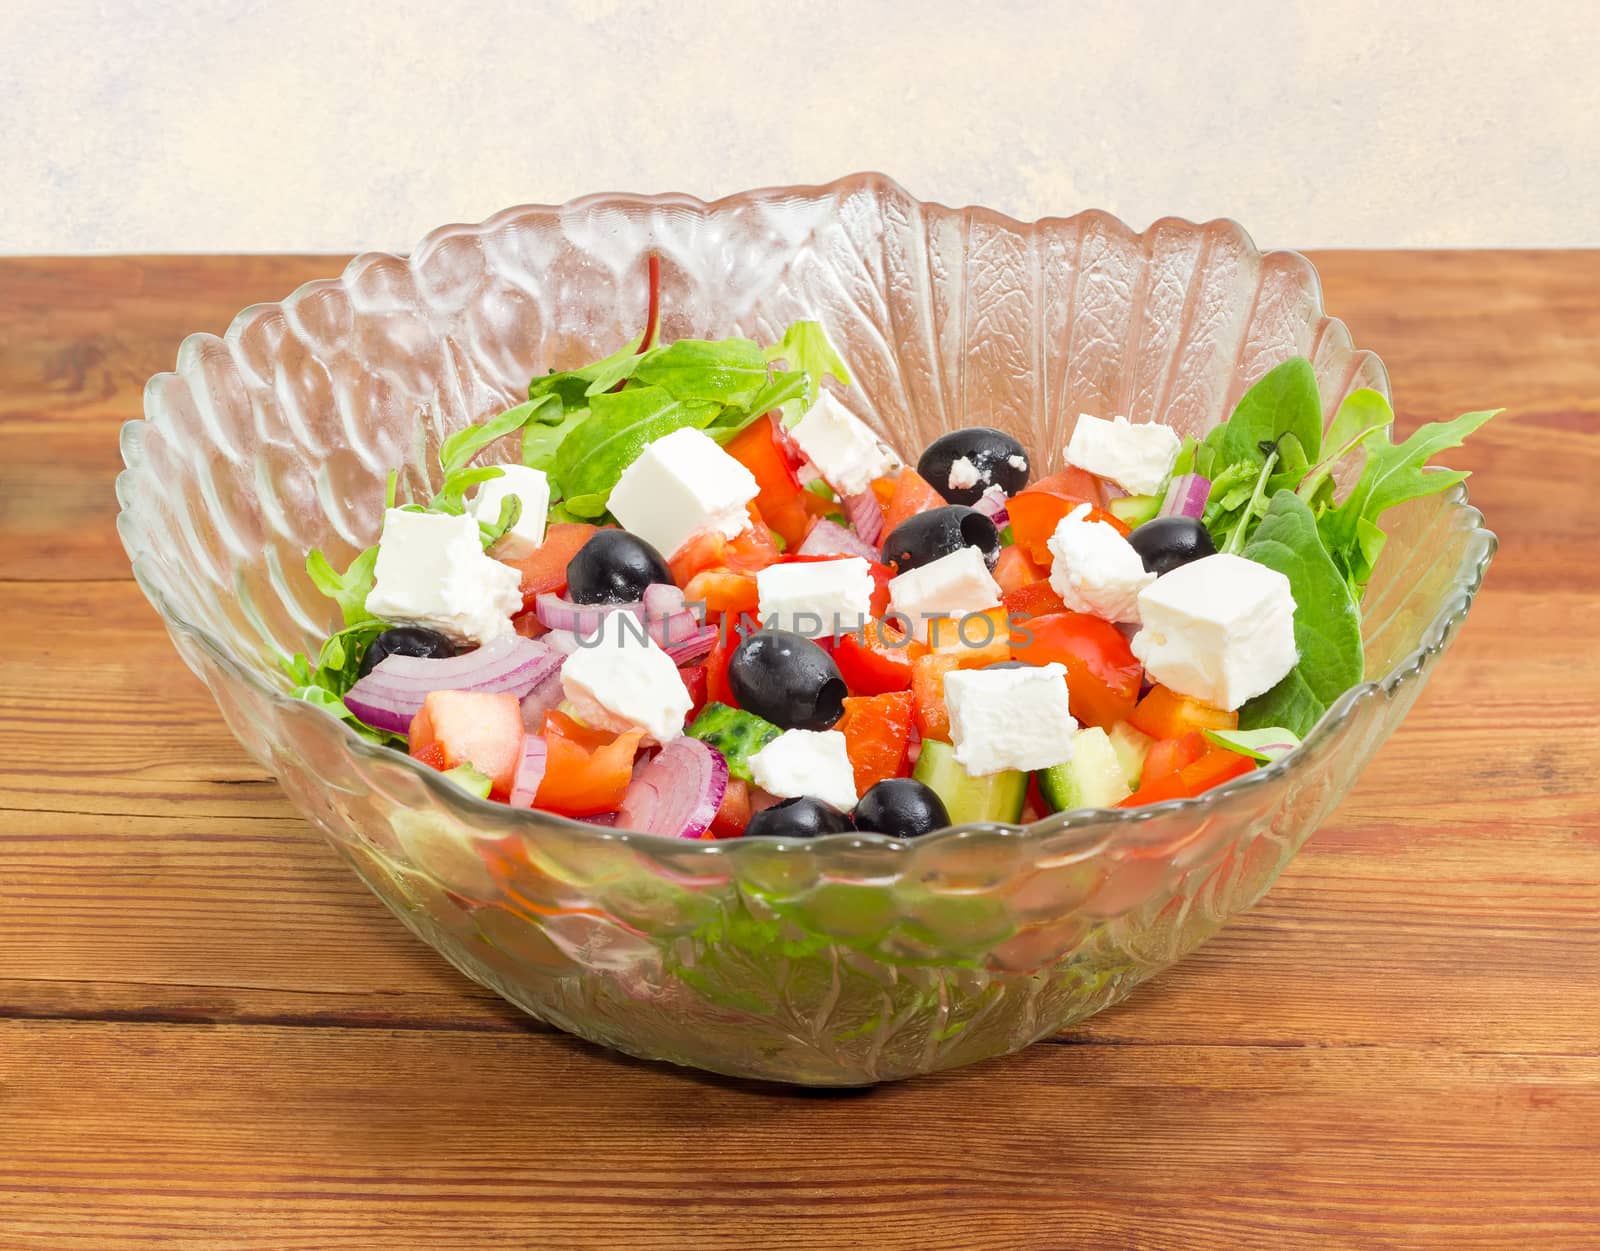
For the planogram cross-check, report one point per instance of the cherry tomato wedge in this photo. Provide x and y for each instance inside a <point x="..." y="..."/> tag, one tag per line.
<point x="1014" y="570"/>
<point x="545" y="568"/>
<point x="734" y="814"/>
<point x="1034" y="600"/>
<point x="912" y="494"/>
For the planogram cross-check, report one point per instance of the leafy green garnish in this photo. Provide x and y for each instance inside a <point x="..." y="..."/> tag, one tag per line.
<point x="348" y="589"/>
<point x="805" y="347"/>
<point x="620" y="424"/>
<point x="1327" y="622"/>
<point x="1392" y="475"/>
<point x="1266" y="744"/>
<point x="326" y="682"/>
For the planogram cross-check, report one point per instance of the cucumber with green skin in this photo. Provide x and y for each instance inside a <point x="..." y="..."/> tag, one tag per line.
<point x="991" y="797"/>
<point x="735" y="733"/>
<point x="1134" y="510"/>
<point x="1093" y="777"/>
<point x="1131" y="746"/>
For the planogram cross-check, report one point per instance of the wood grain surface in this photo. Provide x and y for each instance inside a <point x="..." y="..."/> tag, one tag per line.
<point x="211" y="1037"/>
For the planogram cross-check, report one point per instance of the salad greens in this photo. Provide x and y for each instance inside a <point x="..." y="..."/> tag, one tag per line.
<point x="326" y="682"/>
<point x="1266" y="744"/>
<point x="1272" y="500"/>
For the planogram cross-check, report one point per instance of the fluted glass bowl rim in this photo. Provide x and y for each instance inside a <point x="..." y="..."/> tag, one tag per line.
<point x="1099" y="828"/>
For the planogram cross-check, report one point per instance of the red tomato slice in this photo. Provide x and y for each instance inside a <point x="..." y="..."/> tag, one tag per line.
<point x="471" y="727"/>
<point x="1014" y="570"/>
<point x="734" y="814"/>
<point x="912" y="495"/>
<point x="587" y="771"/>
<point x="1036" y="511"/>
<point x="1102" y="674"/>
<point x="1034" y="600"/>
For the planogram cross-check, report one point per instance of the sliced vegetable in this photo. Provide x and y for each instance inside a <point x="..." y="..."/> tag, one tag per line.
<point x="1014" y="570"/>
<point x="723" y="591"/>
<point x="470" y="780"/>
<point x="991" y="797"/>
<point x="529" y="772"/>
<point x="877" y="735"/>
<point x="1134" y="510"/>
<point x="829" y="538"/>
<point x="734" y="812"/>
<point x="1036" y="512"/>
<point x="993" y="505"/>
<point x="876" y="658"/>
<point x="1036" y="599"/>
<point x="782" y="500"/>
<point x="678" y="793"/>
<point x="1212" y="766"/>
<point x="1092" y="778"/>
<point x="545" y="569"/>
<point x="866" y="517"/>
<point x="1186" y="496"/>
<point x="1264" y="745"/>
<point x="927" y="694"/>
<point x="1131" y="746"/>
<point x="472" y="727"/>
<point x="393" y="693"/>
<point x="556" y="613"/>
<point x="1164" y="713"/>
<point x="909" y="494"/>
<point x="975" y="639"/>
<point x="588" y="770"/>
<point x="736" y="734"/>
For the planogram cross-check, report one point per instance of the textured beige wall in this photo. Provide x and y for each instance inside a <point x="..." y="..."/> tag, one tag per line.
<point x="318" y="124"/>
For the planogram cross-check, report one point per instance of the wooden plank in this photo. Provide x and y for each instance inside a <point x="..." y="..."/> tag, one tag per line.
<point x="135" y="1136"/>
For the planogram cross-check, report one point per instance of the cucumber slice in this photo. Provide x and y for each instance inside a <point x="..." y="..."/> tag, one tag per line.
<point x="737" y="734"/>
<point x="1093" y="778"/>
<point x="992" y="797"/>
<point x="1131" y="746"/>
<point x="1134" y="510"/>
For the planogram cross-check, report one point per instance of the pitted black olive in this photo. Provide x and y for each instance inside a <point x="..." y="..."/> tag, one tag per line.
<point x="1168" y="542"/>
<point x="788" y="679"/>
<point x="901" y="807"/>
<point x="804" y="817"/>
<point x="963" y="464"/>
<point x="614" y="567"/>
<point x="924" y="537"/>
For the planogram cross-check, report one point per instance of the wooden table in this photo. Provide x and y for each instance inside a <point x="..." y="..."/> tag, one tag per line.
<point x="212" y="1037"/>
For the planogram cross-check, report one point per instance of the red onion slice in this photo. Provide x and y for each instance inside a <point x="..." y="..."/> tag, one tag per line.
<point x="866" y="516"/>
<point x="677" y="793"/>
<point x="1186" y="496"/>
<point x="690" y="647"/>
<point x="992" y="504"/>
<point x="563" y="614"/>
<point x="392" y="694"/>
<point x="540" y="700"/>
<point x="530" y="771"/>
<point x="829" y="538"/>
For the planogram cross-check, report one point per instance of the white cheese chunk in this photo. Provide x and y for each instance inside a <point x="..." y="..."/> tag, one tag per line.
<point x="841" y="446"/>
<point x="807" y="762"/>
<point x="618" y="679"/>
<point x="819" y="599"/>
<point x="532" y="489"/>
<point x="963" y="474"/>
<point x="1137" y="458"/>
<point x="951" y="586"/>
<point x="1095" y="569"/>
<point x="1009" y="718"/>
<point x="432" y="571"/>
<point x="680" y="485"/>
<point x="1220" y="629"/>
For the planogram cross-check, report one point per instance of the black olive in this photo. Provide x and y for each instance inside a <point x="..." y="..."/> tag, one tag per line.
<point x="614" y="567"/>
<point x="901" y="807"/>
<point x="407" y="641"/>
<point x="924" y="537"/>
<point x="804" y="817"/>
<point x="996" y="458"/>
<point x="1167" y="542"/>
<point x="787" y="679"/>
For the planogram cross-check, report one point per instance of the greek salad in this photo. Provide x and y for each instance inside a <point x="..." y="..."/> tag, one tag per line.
<point x="707" y="601"/>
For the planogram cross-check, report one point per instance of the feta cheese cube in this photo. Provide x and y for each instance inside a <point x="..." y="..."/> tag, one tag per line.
<point x="951" y="586"/>
<point x="1009" y="718"/>
<point x="681" y="484"/>
<point x="1094" y="569"/>
<point x="432" y="571"/>
<point x="841" y="447"/>
<point x="807" y="762"/>
<point x="1220" y="629"/>
<point x="1137" y="458"/>
<point x="532" y="488"/>
<point x="618" y="679"/>
<point x="963" y="474"/>
<point x="819" y="599"/>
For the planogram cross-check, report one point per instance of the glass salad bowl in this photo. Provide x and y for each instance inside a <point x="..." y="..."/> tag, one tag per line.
<point x="848" y="959"/>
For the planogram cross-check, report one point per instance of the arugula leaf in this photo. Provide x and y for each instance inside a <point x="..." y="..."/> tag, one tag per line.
<point x="1392" y="475"/>
<point x="451" y="497"/>
<point x="1362" y="414"/>
<point x="805" y="347"/>
<point x="335" y="672"/>
<point x="719" y="371"/>
<point x="542" y="440"/>
<point x="785" y="390"/>
<point x="348" y="589"/>
<point x="595" y="452"/>
<point x="1266" y="745"/>
<point x="458" y="451"/>
<point x="1327" y="622"/>
<point x="571" y="386"/>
